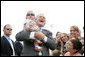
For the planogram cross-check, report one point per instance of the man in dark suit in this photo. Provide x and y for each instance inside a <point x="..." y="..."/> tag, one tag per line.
<point x="43" y="35"/>
<point x="7" y="45"/>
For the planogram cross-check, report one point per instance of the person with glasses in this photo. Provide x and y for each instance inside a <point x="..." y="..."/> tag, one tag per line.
<point x="7" y="44"/>
<point x="30" y="16"/>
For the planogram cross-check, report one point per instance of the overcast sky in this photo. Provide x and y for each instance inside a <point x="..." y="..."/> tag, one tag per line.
<point x="60" y="15"/>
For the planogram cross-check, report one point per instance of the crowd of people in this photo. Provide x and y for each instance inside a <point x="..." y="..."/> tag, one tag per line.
<point x="38" y="41"/>
<point x="74" y="48"/>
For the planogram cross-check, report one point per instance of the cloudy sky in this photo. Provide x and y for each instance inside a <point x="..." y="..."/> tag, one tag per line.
<point x="60" y="15"/>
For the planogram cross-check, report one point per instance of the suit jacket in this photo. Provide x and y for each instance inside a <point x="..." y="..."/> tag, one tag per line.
<point x="28" y="49"/>
<point x="18" y="48"/>
<point x="6" y="49"/>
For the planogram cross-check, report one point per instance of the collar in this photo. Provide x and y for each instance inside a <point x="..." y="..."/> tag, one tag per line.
<point x="40" y="28"/>
<point x="8" y="38"/>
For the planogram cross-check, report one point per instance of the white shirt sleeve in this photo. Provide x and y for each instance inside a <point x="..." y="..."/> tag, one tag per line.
<point x="45" y="39"/>
<point x="32" y="35"/>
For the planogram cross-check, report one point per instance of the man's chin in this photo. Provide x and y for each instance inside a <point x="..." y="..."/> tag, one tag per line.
<point x="41" y="25"/>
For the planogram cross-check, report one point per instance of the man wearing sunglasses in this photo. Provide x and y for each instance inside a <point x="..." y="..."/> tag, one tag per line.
<point x="29" y="16"/>
<point x="7" y="45"/>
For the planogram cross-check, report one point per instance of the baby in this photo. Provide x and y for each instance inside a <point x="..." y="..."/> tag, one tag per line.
<point x="33" y="27"/>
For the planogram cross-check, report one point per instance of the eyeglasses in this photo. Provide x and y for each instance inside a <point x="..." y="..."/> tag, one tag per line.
<point x="30" y="15"/>
<point x="9" y="29"/>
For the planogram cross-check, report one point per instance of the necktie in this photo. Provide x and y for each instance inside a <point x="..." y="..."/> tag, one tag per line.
<point x="37" y="47"/>
<point x="39" y="28"/>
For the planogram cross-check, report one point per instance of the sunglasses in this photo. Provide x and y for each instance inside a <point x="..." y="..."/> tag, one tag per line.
<point x="30" y="15"/>
<point x="9" y="29"/>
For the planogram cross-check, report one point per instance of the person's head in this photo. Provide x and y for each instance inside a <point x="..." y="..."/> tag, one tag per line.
<point x="75" y="32"/>
<point x="58" y="35"/>
<point x="64" y="37"/>
<point x="7" y="29"/>
<point x="56" y="53"/>
<point x="30" y="15"/>
<point x="73" y="45"/>
<point x="57" y="38"/>
<point x="40" y="20"/>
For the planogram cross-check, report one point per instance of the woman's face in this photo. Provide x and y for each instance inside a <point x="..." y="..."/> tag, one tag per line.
<point x="58" y="36"/>
<point x="73" y="33"/>
<point x="64" y="37"/>
<point x="69" y="46"/>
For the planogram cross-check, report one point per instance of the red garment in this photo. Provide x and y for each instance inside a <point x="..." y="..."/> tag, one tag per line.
<point x="76" y="54"/>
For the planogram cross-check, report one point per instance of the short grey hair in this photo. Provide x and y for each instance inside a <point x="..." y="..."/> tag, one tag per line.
<point x="40" y="15"/>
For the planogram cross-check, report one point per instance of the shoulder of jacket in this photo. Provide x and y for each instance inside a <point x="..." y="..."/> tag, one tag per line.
<point x="47" y="30"/>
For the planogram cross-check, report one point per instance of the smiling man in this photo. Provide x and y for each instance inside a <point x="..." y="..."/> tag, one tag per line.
<point x="44" y="36"/>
